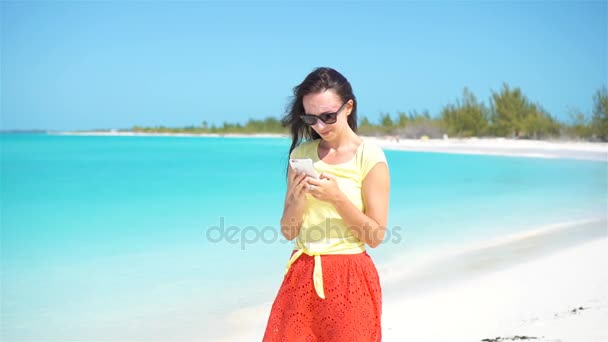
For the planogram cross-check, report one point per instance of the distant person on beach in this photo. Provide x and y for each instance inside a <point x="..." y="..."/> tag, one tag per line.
<point x="331" y="290"/>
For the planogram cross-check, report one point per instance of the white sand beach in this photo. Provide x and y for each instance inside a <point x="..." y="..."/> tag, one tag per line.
<point x="500" y="147"/>
<point x="549" y="284"/>
<point x="560" y="297"/>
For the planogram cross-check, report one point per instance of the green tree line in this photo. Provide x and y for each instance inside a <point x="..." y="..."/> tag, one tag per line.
<point x="509" y="114"/>
<point x="267" y="125"/>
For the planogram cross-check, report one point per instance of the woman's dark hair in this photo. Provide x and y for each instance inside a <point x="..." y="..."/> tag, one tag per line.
<point x="318" y="81"/>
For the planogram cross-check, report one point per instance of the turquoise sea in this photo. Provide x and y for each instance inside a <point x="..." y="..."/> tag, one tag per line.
<point x="157" y="238"/>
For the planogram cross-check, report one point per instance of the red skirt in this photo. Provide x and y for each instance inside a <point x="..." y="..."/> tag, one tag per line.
<point x="351" y="309"/>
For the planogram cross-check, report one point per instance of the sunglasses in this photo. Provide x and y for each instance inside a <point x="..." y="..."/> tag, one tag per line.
<point x="328" y="118"/>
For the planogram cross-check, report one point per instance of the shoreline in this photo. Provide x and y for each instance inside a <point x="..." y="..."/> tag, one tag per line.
<point x="477" y="291"/>
<point x="423" y="270"/>
<point x="157" y="134"/>
<point x="596" y="151"/>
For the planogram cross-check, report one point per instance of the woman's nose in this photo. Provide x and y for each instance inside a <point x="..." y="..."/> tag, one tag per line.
<point x="320" y="124"/>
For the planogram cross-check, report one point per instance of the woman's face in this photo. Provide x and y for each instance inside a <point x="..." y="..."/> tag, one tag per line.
<point x="323" y="103"/>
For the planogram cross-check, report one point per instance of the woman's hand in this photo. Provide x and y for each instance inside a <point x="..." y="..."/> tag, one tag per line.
<point x="295" y="203"/>
<point x="325" y="188"/>
<point x="296" y="190"/>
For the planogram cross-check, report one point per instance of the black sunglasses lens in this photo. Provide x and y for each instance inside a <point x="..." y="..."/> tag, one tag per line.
<point x="329" y="118"/>
<point x="309" y="120"/>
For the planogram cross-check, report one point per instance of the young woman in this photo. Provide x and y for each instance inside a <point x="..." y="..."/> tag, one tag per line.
<point x="331" y="290"/>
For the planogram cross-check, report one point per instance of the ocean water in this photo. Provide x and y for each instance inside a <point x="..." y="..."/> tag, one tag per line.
<point x="157" y="238"/>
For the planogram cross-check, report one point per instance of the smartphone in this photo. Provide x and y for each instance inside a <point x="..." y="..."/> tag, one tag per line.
<point x="304" y="165"/>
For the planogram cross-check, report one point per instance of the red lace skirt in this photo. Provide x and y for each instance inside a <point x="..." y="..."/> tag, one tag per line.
<point x="351" y="310"/>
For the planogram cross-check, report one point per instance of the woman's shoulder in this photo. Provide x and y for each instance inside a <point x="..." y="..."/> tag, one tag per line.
<point x="371" y="148"/>
<point x="371" y="154"/>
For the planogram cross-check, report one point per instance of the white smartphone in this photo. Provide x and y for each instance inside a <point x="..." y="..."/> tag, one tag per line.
<point x="304" y="165"/>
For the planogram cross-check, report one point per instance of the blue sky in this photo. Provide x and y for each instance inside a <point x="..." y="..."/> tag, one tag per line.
<point x="87" y="65"/>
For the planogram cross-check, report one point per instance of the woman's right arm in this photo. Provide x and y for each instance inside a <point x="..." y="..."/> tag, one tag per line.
<point x="295" y="203"/>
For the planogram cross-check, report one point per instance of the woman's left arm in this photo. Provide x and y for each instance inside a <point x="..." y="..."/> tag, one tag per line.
<point x="369" y="226"/>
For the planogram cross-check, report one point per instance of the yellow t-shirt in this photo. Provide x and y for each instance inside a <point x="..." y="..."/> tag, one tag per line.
<point x="323" y="231"/>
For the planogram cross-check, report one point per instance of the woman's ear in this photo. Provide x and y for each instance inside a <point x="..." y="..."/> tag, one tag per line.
<point x="349" y="106"/>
